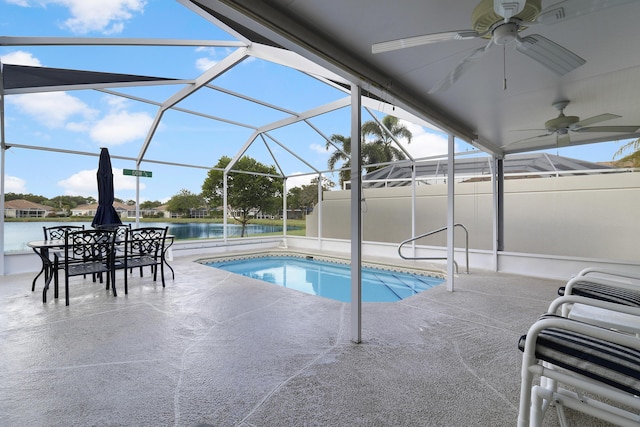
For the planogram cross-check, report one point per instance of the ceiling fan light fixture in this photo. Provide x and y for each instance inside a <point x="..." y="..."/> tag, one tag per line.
<point x="561" y="123"/>
<point x="505" y="33"/>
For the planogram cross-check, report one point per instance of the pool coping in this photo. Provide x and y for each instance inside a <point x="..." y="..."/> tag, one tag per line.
<point x="377" y="264"/>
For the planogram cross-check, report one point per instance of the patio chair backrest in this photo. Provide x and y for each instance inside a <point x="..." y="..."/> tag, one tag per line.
<point x="146" y="241"/>
<point x="120" y="229"/>
<point x="89" y="245"/>
<point x="58" y="232"/>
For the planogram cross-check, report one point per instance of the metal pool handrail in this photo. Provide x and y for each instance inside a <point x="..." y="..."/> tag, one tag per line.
<point x="412" y="239"/>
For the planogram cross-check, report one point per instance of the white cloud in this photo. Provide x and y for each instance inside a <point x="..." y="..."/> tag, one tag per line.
<point x="299" y="181"/>
<point x="120" y="127"/>
<point x="23" y="3"/>
<point x="53" y="109"/>
<point x="14" y="184"/>
<point x="84" y="183"/>
<point x="20" y="57"/>
<point x="116" y="103"/>
<point x="105" y="16"/>
<point x="203" y="64"/>
<point x="320" y="149"/>
<point x="425" y="142"/>
<point x="213" y="56"/>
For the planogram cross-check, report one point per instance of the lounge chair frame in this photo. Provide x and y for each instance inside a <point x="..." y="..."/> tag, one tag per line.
<point x="535" y="399"/>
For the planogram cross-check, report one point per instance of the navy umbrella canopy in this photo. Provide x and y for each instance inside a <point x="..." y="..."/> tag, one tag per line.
<point x="106" y="213"/>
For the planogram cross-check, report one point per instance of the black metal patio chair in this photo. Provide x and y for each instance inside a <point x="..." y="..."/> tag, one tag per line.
<point x="143" y="247"/>
<point x="52" y="233"/>
<point x="86" y="252"/>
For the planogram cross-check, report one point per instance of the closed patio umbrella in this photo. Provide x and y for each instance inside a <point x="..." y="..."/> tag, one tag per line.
<point x="106" y="213"/>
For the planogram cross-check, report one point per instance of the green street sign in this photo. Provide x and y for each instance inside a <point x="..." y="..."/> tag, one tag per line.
<point x="135" y="172"/>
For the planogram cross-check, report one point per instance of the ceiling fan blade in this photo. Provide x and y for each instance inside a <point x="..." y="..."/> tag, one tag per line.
<point x="568" y="9"/>
<point x="422" y="40"/>
<point x="563" y="140"/>
<point x="462" y="67"/>
<point x="616" y="129"/>
<point x="544" y="135"/>
<point x="550" y="54"/>
<point x="595" y="119"/>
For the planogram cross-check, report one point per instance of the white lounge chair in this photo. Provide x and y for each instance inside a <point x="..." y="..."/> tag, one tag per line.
<point x="600" y="365"/>
<point x="618" y="289"/>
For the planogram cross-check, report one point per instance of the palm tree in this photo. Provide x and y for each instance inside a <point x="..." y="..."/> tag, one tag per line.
<point x="341" y="154"/>
<point x="380" y="150"/>
<point x="383" y="149"/>
<point x="634" y="157"/>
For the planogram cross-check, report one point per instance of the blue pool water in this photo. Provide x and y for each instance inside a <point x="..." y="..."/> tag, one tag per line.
<point x="327" y="279"/>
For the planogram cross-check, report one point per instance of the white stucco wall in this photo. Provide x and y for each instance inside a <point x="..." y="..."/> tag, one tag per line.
<point x="594" y="216"/>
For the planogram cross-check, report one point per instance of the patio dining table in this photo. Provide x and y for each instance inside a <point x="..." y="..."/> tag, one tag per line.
<point x="42" y="248"/>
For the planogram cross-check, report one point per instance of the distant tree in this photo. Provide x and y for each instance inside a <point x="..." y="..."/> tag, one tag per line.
<point x="247" y="193"/>
<point x="30" y="197"/>
<point x="305" y="197"/>
<point x="66" y="203"/>
<point x="148" y="204"/>
<point x="294" y="198"/>
<point x="183" y="202"/>
<point x="633" y="157"/>
<point x="130" y="202"/>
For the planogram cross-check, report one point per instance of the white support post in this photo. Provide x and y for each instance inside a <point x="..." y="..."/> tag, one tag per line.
<point x="137" y="197"/>
<point x="319" y="207"/>
<point x="499" y="211"/>
<point x="356" y="216"/>
<point x="413" y="207"/>
<point x="224" y="207"/>
<point x="450" y="213"/>
<point x="494" y="191"/>
<point x="3" y="148"/>
<point x="2" y="169"/>
<point x="284" y="211"/>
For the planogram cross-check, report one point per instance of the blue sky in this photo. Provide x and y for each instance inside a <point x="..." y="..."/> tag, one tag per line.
<point x="87" y="120"/>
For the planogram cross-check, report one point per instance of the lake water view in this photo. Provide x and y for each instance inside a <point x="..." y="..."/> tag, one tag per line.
<point x="17" y="234"/>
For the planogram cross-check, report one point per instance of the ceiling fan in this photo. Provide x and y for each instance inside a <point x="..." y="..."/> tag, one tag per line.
<point x="501" y="21"/>
<point x="562" y="125"/>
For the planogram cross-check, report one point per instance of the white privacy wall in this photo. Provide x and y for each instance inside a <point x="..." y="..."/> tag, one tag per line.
<point x="591" y="216"/>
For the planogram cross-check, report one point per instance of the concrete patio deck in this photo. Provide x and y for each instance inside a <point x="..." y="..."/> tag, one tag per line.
<point x="213" y="348"/>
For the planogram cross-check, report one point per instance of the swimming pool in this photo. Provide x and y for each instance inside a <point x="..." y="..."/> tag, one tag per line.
<point x="328" y="279"/>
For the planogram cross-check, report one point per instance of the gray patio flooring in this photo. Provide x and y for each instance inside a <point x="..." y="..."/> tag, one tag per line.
<point x="213" y="348"/>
